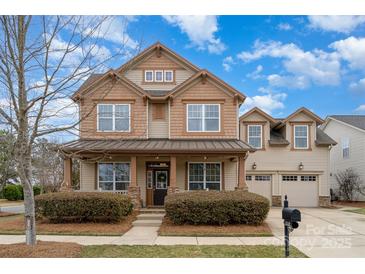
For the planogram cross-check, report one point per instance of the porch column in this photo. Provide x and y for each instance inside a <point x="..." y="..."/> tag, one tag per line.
<point x="67" y="175"/>
<point x="172" y="187"/>
<point x="242" y="174"/>
<point x="134" y="191"/>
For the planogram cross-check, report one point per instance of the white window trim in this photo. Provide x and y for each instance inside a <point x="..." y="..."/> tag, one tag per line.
<point x="162" y="74"/>
<point x="343" y="141"/>
<point x="204" y="182"/>
<point x="248" y="135"/>
<point x="145" y="76"/>
<point x="114" y="190"/>
<point x="203" y="118"/>
<point x="301" y="137"/>
<point x="172" y="76"/>
<point x="113" y="118"/>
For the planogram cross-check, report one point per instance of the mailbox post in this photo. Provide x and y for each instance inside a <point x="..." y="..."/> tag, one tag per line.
<point x="291" y="217"/>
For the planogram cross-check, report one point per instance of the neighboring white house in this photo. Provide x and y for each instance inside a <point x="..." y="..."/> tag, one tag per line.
<point x="349" y="132"/>
<point x="291" y="157"/>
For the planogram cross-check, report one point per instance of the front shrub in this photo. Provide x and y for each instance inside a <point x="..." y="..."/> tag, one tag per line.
<point x="216" y="208"/>
<point x="12" y="193"/>
<point x="65" y="207"/>
<point x="20" y="187"/>
<point x="37" y="190"/>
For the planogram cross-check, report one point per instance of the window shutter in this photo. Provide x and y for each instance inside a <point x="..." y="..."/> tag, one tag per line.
<point x="186" y="175"/>
<point x="222" y="177"/>
<point x="96" y="176"/>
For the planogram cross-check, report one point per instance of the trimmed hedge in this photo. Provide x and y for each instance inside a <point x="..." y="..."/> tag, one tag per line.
<point x="216" y="208"/>
<point x="80" y="207"/>
<point x="12" y="193"/>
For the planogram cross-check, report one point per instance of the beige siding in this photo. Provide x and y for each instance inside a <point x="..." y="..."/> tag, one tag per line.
<point x="338" y="131"/>
<point x="87" y="176"/>
<point x="137" y="75"/>
<point x="158" y="128"/>
<point x="284" y="160"/>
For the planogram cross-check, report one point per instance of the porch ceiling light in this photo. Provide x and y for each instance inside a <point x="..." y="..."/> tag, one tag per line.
<point x="254" y="166"/>
<point x="157" y="157"/>
<point x="301" y="166"/>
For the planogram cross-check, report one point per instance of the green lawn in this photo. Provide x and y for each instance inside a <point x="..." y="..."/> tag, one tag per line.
<point x="359" y="210"/>
<point x="188" y="251"/>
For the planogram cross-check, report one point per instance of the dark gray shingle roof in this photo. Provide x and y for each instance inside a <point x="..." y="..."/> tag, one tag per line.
<point x="276" y="139"/>
<point x="322" y="139"/>
<point x="354" y="120"/>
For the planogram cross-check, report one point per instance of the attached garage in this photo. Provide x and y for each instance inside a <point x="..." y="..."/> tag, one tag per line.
<point x="302" y="190"/>
<point x="260" y="184"/>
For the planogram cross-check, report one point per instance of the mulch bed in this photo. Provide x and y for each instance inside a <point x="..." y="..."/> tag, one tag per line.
<point x="15" y="225"/>
<point x="352" y="204"/>
<point x="7" y="214"/>
<point x="169" y="229"/>
<point x="41" y="250"/>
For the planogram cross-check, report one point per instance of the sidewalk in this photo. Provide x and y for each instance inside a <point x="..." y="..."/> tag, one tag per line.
<point x="146" y="236"/>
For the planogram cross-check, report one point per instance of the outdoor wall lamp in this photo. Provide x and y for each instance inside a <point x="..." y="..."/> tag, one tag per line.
<point x="301" y="166"/>
<point x="254" y="166"/>
<point x="205" y="157"/>
<point x="157" y="157"/>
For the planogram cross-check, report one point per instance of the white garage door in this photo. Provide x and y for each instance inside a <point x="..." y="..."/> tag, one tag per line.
<point x="260" y="184"/>
<point x="302" y="190"/>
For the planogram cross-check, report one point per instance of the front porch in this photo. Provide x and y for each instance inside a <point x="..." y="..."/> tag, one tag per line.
<point x="147" y="176"/>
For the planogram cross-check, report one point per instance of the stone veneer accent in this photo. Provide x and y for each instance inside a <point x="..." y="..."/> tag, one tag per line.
<point x="324" y="201"/>
<point x="276" y="200"/>
<point x="135" y="193"/>
<point x="172" y="189"/>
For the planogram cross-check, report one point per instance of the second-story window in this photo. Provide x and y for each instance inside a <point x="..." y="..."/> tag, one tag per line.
<point x="203" y="117"/>
<point x="158" y="75"/>
<point x="255" y="136"/>
<point x="169" y="76"/>
<point x="113" y="117"/>
<point x="148" y="76"/>
<point x="345" y="148"/>
<point x="301" y="136"/>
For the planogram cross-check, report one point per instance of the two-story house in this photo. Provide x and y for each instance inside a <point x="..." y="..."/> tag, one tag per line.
<point x="291" y="157"/>
<point x="156" y="125"/>
<point x="349" y="133"/>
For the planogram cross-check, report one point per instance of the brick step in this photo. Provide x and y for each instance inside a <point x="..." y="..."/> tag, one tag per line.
<point x="150" y="216"/>
<point x="147" y="223"/>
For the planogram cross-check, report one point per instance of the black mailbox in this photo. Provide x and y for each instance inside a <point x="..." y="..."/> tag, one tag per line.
<point x="291" y="215"/>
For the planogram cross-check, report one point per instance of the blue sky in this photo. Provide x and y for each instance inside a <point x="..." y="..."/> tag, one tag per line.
<point x="280" y="62"/>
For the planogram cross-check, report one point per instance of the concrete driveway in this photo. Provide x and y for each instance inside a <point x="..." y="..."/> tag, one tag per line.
<point x="324" y="233"/>
<point x="13" y="208"/>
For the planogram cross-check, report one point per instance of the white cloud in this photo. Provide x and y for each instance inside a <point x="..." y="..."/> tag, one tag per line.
<point x="268" y="102"/>
<point x="358" y="86"/>
<point x="284" y="26"/>
<point x="360" y="108"/>
<point x="200" y="29"/>
<point x="256" y="74"/>
<point x="227" y="63"/>
<point x="352" y="50"/>
<point x="296" y="82"/>
<point x="316" y="66"/>
<point x="337" y="23"/>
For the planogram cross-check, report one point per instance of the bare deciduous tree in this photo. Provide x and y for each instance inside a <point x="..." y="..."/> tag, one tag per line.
<point x="349" y="184"/>
<point x="42" y="61"/>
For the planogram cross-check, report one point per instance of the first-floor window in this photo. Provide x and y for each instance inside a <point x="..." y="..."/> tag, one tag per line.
<point x="345" y="147"/>
<point x="113" y="176"/>
<point x="204" y="176"/>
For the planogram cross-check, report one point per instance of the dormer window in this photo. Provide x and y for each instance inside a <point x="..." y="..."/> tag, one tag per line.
<point x="148" y="76"/>
<point x="255" y="136"/>
<point x="158" y="75"/>
<point x="301" y="137"/>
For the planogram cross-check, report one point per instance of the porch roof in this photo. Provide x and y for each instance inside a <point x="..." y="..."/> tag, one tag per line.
<point x="157" y="146"/>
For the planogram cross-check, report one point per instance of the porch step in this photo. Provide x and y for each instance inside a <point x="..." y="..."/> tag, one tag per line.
<point x="152" y="211"/>
<point x="150" y="216"/>
<point x="147" y="223"/>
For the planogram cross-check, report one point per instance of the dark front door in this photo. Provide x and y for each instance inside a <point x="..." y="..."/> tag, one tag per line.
<point x="160" y="183"/>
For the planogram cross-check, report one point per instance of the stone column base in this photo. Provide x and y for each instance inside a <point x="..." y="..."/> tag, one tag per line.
<point x="238" y="188"/>
<point x="172" y="189"/>
<point x="276" y="200"/>
<point x="324" y="201"/>
<point x="134" y="192"/>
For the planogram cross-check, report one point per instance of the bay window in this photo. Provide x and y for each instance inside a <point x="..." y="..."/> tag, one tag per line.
<point x="203" y="117"/>
<point x="204" y="176"/>
<point x="113" y="176"/>
<point x="113" y="117"/>
<point x="301" y="136"/>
